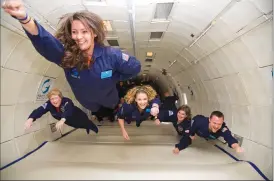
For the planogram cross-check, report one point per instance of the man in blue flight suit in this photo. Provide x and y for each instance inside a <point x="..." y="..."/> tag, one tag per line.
<point x="208" y="128"/>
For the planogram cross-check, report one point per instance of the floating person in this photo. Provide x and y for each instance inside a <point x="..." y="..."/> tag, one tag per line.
<point x="140" y="104"/>
<point x="62" y="109"/>
<point x="91" y="69"/>
<point x="208" y="128"/>
<point x="180" y="118"/>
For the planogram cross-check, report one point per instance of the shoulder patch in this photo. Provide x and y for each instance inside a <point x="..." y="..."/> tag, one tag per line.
<point x="224" y="129"/>
<point x="192" y="121"/>
<point x="65" y="104"/>
<point x="45" y="105"/>
<point x="170" y="113"/>
<point x="125" y="57"/>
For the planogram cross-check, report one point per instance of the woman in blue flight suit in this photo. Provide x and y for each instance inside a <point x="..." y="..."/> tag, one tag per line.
<point x="91" y="69"/>
<point x="180" y="118"/>
<point x="62" y="109"/>
<point x="140" y="104"/>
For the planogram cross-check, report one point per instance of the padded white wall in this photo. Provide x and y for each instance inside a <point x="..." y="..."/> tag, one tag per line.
<point x="235" y="78"/>
<point x="22" y="70"/>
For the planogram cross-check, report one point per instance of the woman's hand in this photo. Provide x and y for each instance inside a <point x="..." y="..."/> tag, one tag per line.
<point x="154" y="111"/>
<point x="15" y="8"/>
<point x="28" y="123"/>
<point x="125" y="135"/>
<point x="157" y="122"/>
<point x="59" y="125"/>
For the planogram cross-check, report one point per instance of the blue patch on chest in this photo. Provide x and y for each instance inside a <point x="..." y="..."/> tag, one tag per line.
<point x="106" y="74"/>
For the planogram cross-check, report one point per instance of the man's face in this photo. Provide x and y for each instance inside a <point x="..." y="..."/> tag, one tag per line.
<point x="215" y="123"/>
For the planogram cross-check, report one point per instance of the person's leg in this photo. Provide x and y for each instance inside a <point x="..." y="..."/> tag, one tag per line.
<point x="99" y="115"/>
<point x="79" y="119"/>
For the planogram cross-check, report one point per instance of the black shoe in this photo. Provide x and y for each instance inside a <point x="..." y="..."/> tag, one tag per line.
<point x="138" y="124"/>
<point x="87" y="130"/>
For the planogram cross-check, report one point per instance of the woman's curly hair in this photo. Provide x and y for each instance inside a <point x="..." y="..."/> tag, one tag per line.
<point x="73" y="56"/>
<point x="132" y="93"/>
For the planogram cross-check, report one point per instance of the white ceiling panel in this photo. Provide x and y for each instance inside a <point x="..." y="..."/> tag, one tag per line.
<point x="141" y="44"/>
<point x="209" y="8"/>
<point x="151" y="27"/>
<point x="207" y="45"/>
<point x="197" y="51"/>
<point x="144" y="13"/>
<point x="175" y="69"/>
<point x="259" y="42"/>
<point x="200" y="70"/>
<point x="183" y="61"/>
<point x="198" y="13"/>
<point x="155" y="43"/>
<point x="239" y="55"/>
<point x="212" y="68"/>
<point x="187" y="55"/>
<point x="120" y="25"/>
<point x="221" y="33"/>
<point x="237" y="92"/>
<point x="240" y="15"/>
<point x="180" y="41"/>
<point x="110" y="13"/>
<point x="44" y="8"/>
<point x="142" y="36"/>
<point x="184" y="29"/>
<point x="53" y="16"/>
<point x="265" y="6"/>
<point x="125" y="35"/>
<point x="116" y="3"/>
<point x="221" y="61"/>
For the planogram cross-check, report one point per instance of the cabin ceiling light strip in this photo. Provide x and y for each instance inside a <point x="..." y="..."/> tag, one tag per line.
<point x="149" y="54"/>
<point x="163" y="10"/>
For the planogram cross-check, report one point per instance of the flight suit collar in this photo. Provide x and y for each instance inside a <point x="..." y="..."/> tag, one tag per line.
<point x="98" y="50"/>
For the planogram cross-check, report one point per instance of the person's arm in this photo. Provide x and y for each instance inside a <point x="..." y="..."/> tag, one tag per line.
<point x="121" y="119"/>
<point x="45" y="43"/>
<point x="185" y="141"/>
<point x="232" y="142"/>
<point x="68" y="110"/>
<point x="40" y="111"/>
<point x="37" y="113"/>
<point x="128" y="66"/>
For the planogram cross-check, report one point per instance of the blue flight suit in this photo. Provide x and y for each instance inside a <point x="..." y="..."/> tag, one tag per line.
<point x="96" y="86"/>
<point x="200" y="126"/>
<point x="182" y="128"/>
<point x="130" y="112"/>
<point x="169" y="102"/>
<point x="74" y="116"/>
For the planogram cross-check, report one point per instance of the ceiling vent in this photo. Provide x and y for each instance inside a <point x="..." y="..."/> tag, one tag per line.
<point x="113" y="42"/>
<point x="148" y="60"/>
<point x="163" y="10"/>
<point x="156" y="35"/>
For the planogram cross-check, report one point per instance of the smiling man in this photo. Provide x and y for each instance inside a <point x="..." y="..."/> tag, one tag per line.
<point x="208" y="128"/>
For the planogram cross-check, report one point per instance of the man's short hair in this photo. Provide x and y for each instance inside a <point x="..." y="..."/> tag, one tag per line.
<point x="219" y="114"/>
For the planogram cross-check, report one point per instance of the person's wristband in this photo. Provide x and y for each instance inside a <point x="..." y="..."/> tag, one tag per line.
<point x="23" y="19"/>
